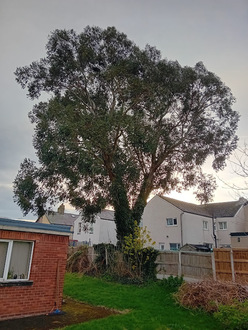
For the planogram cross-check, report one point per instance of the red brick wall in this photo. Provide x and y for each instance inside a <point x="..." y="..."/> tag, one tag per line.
<point x="47" y="273"/>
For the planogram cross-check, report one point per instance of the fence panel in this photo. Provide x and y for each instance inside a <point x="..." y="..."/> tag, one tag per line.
<point x="196" y="265"/>
<point x="168" y="263"/>
<point x="231" y="264"/>
<point x="223" y="265"/>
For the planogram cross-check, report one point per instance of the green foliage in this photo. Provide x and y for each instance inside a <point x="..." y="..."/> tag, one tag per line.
<point x="120" y="122"/>
<point x="139" y="255"/>
<point x="233" y="317"/>
<point x="172" y="282"/>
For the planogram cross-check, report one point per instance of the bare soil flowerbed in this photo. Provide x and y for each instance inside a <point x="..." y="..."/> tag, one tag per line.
<point x="75" y="312"/>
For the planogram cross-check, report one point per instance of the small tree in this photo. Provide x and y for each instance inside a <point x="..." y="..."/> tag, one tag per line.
<point x="140" y="254"/>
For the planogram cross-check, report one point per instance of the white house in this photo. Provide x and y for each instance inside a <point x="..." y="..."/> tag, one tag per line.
<point x="103" y="230"/>
<point x="173" y="223"/>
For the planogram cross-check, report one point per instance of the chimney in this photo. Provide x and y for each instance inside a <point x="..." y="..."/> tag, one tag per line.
<point x="61" y="209"/>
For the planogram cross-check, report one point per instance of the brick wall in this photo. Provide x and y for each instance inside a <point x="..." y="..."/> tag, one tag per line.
<point x="47" y="273"/>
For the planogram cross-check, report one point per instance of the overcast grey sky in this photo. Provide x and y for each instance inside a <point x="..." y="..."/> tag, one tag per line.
<point x="212" y="31"/>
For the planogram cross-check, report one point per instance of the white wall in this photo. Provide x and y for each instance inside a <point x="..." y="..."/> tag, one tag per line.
<point x="104" y="231"/>
<point x="234" y="224"/>
<point x="107" y="231"/>
<point x="154" y="218"/>
<point x="193" y="231"/>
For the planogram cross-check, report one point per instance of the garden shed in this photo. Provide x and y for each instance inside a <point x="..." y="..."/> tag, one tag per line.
<point x="32" y="267"/>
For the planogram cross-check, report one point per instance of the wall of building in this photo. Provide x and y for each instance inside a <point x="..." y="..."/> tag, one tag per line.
<point x="193" y="231"/>
<point x="104" y="231"/>
<point x="189" y="228"/>
<point x="47" y="273"/>
<point x="154" y="218"/>
<point x="239" y="241"/>
<point x="234" y="224"/>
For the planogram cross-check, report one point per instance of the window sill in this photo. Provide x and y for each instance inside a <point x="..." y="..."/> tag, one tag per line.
<point x="16" y="283"/>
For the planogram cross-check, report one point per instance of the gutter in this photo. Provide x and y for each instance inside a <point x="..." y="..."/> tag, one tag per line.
<point x="181" y="227"/>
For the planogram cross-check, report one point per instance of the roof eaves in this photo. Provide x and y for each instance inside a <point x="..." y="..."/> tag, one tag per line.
<point x="17" y="225"/>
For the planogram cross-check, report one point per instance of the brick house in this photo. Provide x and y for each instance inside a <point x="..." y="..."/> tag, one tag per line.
<point x="32" y="267"/>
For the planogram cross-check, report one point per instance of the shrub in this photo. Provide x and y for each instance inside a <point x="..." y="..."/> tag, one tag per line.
<point x="140" y="257"/>
<point x="172" y="282"/>
<point x="233" y="316"/>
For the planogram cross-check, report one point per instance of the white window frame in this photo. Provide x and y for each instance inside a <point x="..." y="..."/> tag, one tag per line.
<point x="222" y="225"/>
<point x="205" y="225"/>
<point x="8" y="259"/>
<point x="79" y="227"/>
<point x="177" y="247"/>
<point x="173" y="222"/>
<point x="91" y="229"/>
<point x="161" y="246"/>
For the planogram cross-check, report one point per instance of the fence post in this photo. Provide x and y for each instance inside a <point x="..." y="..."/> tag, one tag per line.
<point x="106" y="256"/>
<point x="213" y="266"/>
<point x="179" y="264"/>
<point x="232" y="265"/>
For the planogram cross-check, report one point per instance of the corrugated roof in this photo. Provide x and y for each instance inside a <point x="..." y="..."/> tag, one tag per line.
<point x="218" y="210"/>
<point x="32" y="226"/>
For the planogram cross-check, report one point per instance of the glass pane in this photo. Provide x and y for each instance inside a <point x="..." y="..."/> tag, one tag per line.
<point x="3" y="254"/>
<point x="20" y="260"/>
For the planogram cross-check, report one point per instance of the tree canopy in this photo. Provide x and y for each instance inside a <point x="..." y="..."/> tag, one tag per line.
<point x="120" y="123"/>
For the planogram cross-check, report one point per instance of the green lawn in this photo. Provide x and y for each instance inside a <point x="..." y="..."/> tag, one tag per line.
<point x="149" y="307"/>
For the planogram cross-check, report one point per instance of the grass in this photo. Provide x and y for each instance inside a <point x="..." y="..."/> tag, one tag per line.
<point x="147" y="307"/>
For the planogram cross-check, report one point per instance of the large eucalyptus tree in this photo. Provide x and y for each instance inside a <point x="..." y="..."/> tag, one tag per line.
<point x="120" y="123"/>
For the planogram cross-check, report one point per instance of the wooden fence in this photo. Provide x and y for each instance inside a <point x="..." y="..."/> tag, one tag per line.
<point x="222" y="264"/>
<point x="231" y="264"/>
<point x="195" y="265"/>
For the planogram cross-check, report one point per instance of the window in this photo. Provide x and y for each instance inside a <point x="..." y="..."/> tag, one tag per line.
<point x="171" y="221"/>
<point x="223" y="225"/>
<point x="205" y="225"/>
<point x="79" y="227"/>
<point x="15" y="260"/>
<point x="174" y="246"/>
<point x="161" y="246"/>
<point x="91" y="229"/>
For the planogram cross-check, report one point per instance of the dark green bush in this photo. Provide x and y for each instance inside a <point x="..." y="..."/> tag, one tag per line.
<point x="172" y="282"/>
<point x="233" y="317"/>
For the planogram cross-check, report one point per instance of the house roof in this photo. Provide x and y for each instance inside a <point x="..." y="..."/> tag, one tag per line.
<point x="243" y="233"/>
<point x="218" y="210"/>
<point x="20" y="225"/>
<point x="56" y="218"/>
<point x="186" y="207"/>
<point x="107" y="215"/>
<point x="68" y="219"/>
<point x="196" y="247"/>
